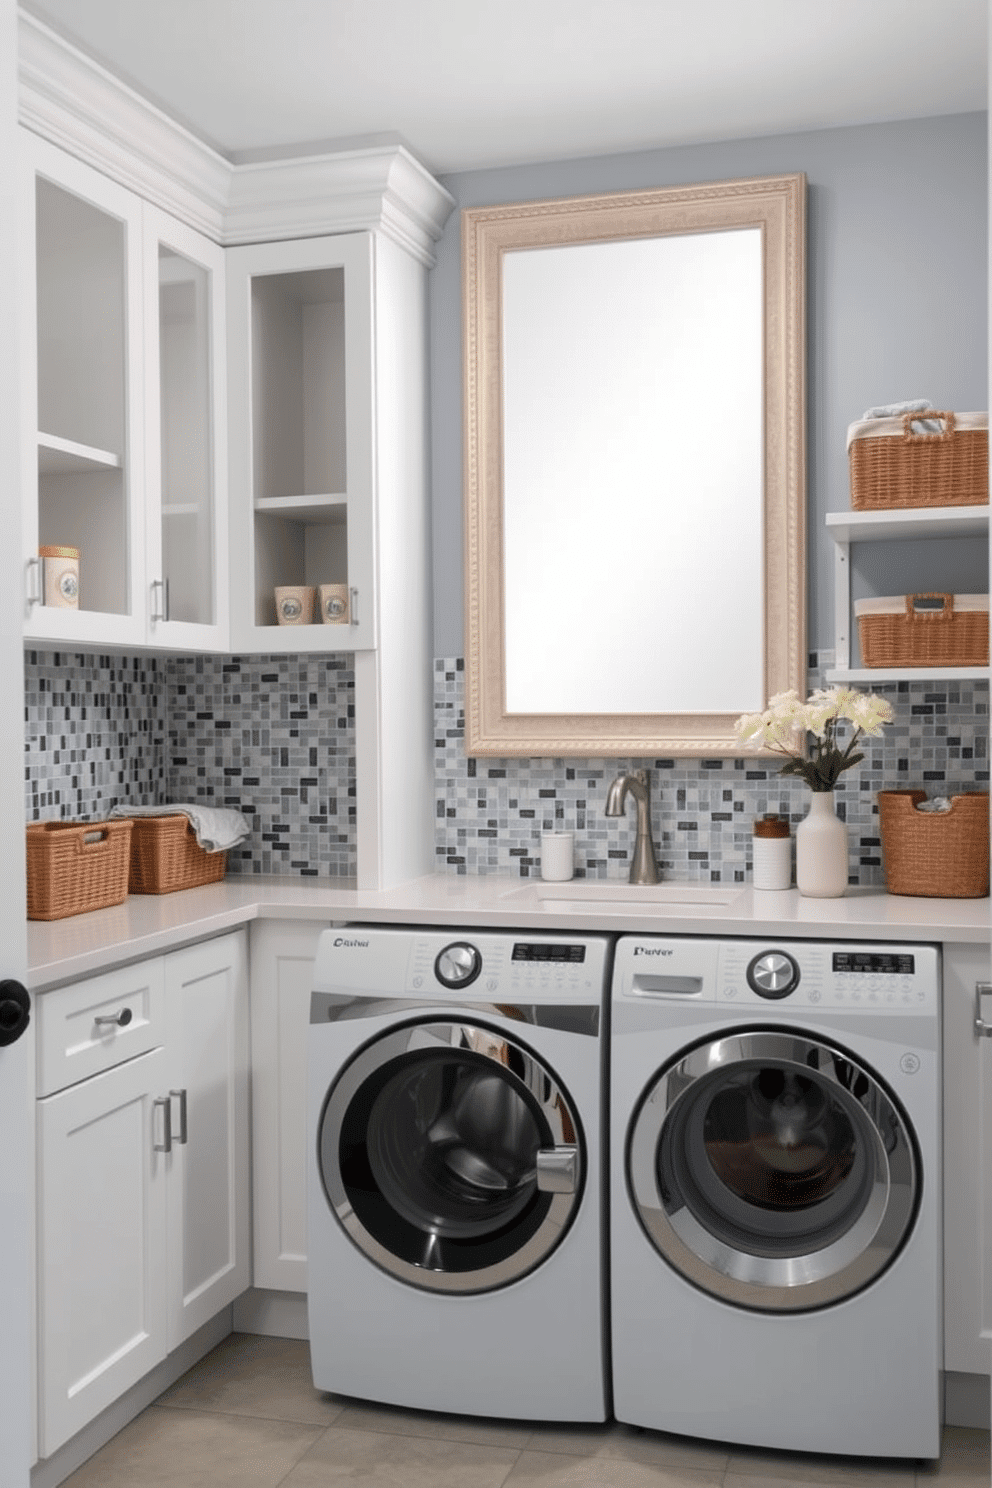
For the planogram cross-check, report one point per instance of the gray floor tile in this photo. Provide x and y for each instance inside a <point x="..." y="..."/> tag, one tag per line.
<point x="629" y="1444"/>
<point x="964" y="1460"/>
<point x="248" y="1375"/>
<point x="558" y="1470"/>
<point x="386" y="1460"/>
<point x="196" y="1449"/>
<point x="392" y="1420"/>
<point x="750" y="1467"/>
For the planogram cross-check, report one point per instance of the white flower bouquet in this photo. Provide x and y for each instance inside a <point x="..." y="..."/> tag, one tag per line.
<point x="807" y="732"/>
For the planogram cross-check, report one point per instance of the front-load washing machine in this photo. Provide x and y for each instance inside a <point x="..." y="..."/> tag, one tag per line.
<point x="455" y="1174"/>
<point x="775" y="1193"/>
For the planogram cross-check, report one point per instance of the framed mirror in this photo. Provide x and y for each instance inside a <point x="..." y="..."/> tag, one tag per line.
<point x="635" y="470"/>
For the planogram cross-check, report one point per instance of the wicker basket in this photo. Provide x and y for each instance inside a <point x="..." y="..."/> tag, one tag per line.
<point x="919" y="630"/>
<point x="74" y="867"/>
<point x="935" y="854"/>
<point x="891" y="466"/>
<point x="165" y="856"/>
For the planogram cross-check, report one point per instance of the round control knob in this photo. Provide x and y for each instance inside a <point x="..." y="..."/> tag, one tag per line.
<point x="773" y="974"/>
<point x="458" y="965"/>
<point x="15" y="1011"/>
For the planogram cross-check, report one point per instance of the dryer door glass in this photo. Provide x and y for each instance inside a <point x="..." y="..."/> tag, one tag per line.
<point x="773" y="1170"/>
<point x="451" y="1156"/>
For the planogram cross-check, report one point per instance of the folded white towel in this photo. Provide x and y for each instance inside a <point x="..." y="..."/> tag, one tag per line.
<point x="896" y="410"/>
<point x="217" y="828"/>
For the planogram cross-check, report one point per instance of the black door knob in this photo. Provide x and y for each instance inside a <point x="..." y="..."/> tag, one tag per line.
<point x="15" y="1011"/>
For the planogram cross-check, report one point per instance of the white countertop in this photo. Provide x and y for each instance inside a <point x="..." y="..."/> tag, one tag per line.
<point x="59" y="951"/>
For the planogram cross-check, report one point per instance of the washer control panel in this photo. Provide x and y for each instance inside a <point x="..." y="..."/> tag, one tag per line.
<point x="779" y="975"/>
<point x="508" y="967"/>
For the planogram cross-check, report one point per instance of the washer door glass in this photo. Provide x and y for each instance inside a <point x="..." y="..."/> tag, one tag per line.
<point x="451" y="1156"/>
<point x="773" y="1170"/>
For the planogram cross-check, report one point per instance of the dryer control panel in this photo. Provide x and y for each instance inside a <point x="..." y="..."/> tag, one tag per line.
<point x="780" y="974"/>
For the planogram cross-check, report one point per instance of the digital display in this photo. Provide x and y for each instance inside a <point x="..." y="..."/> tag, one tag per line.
<point x="875" y="963"/>
<point x="541" y="951"/>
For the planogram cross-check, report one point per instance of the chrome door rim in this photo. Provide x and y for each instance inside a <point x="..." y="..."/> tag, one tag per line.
<point x="542" y="1090"/>
<point x="793" y="1283"/>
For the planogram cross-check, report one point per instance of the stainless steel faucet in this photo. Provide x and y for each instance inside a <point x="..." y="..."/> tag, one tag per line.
<point x="643" y="868"/>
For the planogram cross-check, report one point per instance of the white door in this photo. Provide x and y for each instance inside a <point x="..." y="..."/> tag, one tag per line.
<point x="16" y="1194"/>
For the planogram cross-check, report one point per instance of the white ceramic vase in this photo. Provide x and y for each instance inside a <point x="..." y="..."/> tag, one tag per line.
<point x="821" y="850"/>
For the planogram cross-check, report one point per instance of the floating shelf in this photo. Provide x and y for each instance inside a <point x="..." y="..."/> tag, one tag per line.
<point x="897" y="525"/>
<point x="57" y="456"/>
<point x="867" y="675"/>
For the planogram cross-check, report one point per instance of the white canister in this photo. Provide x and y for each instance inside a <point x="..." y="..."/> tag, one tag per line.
<point x="557" y="856"/>
<point x="772" y="853"/>
<point x="60" y="577"/>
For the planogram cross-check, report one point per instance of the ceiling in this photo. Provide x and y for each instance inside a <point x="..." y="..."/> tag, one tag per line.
<point x="468" y="84"/>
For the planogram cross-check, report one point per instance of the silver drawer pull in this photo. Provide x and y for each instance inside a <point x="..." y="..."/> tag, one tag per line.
<point x="163" y="1104"/>
<point x="982" y="1029"/>
<point x="114" y="1020"/>
<point x="558" y="1169"/>
<point x="180" y="1096"/>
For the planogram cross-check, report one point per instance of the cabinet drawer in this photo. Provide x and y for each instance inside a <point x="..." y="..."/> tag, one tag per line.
<point x="90" y="1026"/>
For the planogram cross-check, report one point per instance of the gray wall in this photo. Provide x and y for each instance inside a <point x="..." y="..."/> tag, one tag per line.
<point x="897" y="296"/>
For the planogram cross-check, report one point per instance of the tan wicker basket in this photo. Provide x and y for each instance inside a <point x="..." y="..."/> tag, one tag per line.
<point x="165" y="856"/>
<point x="918" y="630"/>
<point x="891" y="466"/>
<point x="935" y="854"/>
<point x="73" y="867"/>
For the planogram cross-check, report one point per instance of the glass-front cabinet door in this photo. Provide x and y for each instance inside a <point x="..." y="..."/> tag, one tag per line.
<point x="125" y="446"/>
<point x="83" y="457"/>
<point x="300" y="338"/>
<point x="185" y="436"/>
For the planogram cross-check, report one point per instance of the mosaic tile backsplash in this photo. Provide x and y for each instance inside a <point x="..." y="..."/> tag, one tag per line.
<point x="272" y="736"/>
<point x="490" y="812"/>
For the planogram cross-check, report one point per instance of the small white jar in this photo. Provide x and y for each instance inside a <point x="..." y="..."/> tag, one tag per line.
<point x="772" y="853"/>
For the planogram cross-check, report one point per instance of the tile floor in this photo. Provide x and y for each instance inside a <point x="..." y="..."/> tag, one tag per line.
<point x="248" y="1414"/>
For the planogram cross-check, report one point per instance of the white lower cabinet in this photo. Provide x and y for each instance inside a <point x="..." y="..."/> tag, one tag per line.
<point x="967" y="1191"/>
<point x="143" y="1180"/>
<point x="282" y="957"/>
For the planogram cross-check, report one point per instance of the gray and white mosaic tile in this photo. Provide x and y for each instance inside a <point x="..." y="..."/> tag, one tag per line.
<point x="490" y="812"/>
<point x="272" y="736"/>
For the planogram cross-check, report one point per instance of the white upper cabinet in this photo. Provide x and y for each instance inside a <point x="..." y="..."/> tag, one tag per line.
<point x="185" y="436"/>
<point x="123" y="350"/>
<point x="300" y="341"/>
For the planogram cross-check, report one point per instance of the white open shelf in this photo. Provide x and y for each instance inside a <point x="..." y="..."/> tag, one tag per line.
<point x="948" y="521"/>
<point x="329" y="508"/>
<point x="58" y="456"/>
<point x="869" y="675"/>
<point x="896" y="526"/>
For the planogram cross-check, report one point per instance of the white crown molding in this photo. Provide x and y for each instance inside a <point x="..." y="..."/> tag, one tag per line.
<point x="379" y="187"/>
<point x="75" y="103"/>
<point x="69" y="99"/>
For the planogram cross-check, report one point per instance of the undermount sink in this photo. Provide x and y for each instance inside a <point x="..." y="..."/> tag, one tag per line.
<point x="578" y="896"/>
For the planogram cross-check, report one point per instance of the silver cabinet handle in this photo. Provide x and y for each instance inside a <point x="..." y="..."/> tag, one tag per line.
<point x="114" y="1020"/>
<point x="982" y="1029"/>
<point x="163" y="1104"/>
<point x="34" y="574"/>
<point x="353" y="617"/>
<point x="161" y="612"/>
<point x="558" y="1169"/>
<point x="180" y="1096"/>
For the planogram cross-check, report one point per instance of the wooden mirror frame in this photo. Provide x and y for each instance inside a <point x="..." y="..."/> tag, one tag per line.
<point x="775" y="205"/>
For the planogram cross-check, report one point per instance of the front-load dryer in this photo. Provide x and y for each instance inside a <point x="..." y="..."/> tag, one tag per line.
<point x="775" y="1193"/>
<point x="455" y="1171"/>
